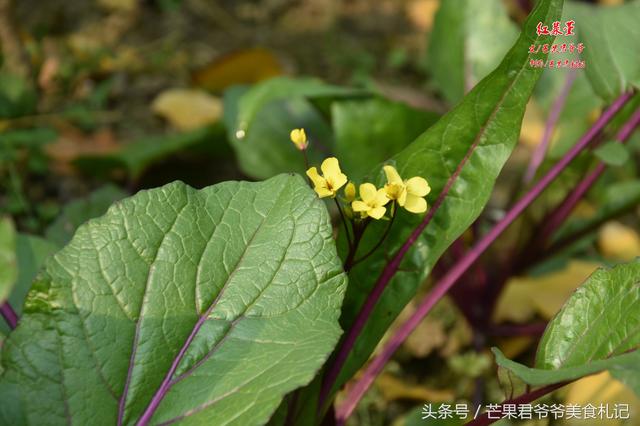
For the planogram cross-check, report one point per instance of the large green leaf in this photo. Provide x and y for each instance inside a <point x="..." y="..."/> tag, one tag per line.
<point x="370" y="131"/>
<point x="8" y="263"/>
<point x="597" y="329"/>
<point x="30" y="252"/>
<point x="77" y="212"/>
<point x="600" y="320"/>
<point x="611" y="38"/>
<point x="479" y="135"/>
<point x="468" y="40"/>
<point x="215" y="302"/>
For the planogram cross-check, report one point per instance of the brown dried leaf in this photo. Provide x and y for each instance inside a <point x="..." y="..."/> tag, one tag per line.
<point x="242" y="67"/>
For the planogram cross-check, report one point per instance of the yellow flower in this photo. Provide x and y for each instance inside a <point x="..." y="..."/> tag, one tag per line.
<point x="331" y="180"/>
<point x="372" y="202"/>
<point x="299" y="138"/>
<point x="408" y="193"/>
<point x="350" y="192"/>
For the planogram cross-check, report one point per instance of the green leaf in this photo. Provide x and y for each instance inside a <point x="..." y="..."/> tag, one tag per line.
<point x="30" y="252"/>
<point x="265" y="149"/>
<point x="370" y="131"/>
<point x="611" y="38"/>
<point x="600" y="320"/>
<point x="2" y="338"/>
<point x="542" y="377"/>
<point x="468" y="40"/>
<point x="612" y="153"/>
<point x="217" y="301"/>
<point x="480" y="132"/>
<point x="77" y="212"/>
<point x="282" y="88"/>
<point x="17" y="96"/>
<point x="8" y="263"/>
<point x="596" y="330"/>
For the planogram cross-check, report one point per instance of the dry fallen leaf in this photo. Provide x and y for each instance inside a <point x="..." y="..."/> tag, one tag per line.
<point x="73" y="144"/>
<point x="393" y="388"/>
<point x="242" y="67"/>
<point x="525" y="296"/>
<point x="422" y="12"/>
<point x="188" y="109"/>
<point x="619" y="241"/>
<point x="427" y="336"/>
<point x="601" y="389"/>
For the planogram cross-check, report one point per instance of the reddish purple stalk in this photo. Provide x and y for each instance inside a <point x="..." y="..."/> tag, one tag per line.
<point x="451" y="277"/>
<point x="527" y="398"/>
<point x="550" y="125"/>
<point x="9" y="315"/>
<point x="558" y="216"/>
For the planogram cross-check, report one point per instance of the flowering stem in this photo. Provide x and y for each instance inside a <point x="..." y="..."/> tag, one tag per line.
<point x="9" y="315"/>
<point x="379" y="243"/>
<point x="527" y="398"/>
<point x="357" y="237"/>
<point x="550" y="125"/>
<point x="346" y="228"/>
<point x="384" y="278"/>
<point x="452" y="276"/>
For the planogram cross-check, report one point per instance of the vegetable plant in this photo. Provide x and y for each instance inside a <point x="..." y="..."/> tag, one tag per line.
<point x="257" y="302"/>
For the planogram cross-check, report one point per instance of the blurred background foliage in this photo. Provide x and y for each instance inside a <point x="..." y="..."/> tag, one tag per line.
<point x="102" y="98"/>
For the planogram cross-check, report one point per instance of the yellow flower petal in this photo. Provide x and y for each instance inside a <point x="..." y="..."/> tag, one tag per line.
<point x="381" y="198"/>
<point x="418" y="186"/>
<point x="368" y="193"/>
<point x="323" y="192"/>
<point x="402" y="199"/>
<point x="331" y="172"/>
<point x="336" y="182"/>
<point x="415" y="204"/>
<point x="377" y="213"/>
<point x="316" y="178"/>
<point x="392" y="175"/>
<point x="330" y="167"/>
<point x="359" y="206"/>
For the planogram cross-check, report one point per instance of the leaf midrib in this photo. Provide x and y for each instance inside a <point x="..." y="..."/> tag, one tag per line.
<point x="167" y="381"/>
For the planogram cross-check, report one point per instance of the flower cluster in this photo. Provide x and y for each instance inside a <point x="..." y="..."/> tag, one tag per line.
<point x="372" y="202"/>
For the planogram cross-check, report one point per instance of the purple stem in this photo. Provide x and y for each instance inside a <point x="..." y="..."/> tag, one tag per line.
<point x="387" y="273"/>
<point x="559" y="215"/>
<point x="527" y="398"/>
<point x="552" y="120"/>
<point x="452" y="276"/>
<point x="9" y="315"/>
